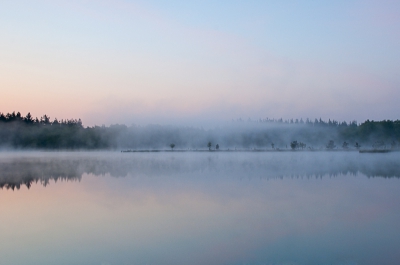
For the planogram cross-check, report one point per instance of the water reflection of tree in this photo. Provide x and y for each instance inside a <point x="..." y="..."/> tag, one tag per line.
<point x="17" y="173"/>
<point x="26" y="172"/>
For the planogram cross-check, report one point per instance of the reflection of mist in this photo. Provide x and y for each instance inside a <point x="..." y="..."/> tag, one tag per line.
<point x="19" y="169"/>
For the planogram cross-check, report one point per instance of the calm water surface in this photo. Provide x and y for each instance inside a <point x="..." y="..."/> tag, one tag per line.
<point x="199" y="208"/>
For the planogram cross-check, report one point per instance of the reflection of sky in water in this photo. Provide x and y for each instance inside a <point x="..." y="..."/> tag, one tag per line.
<point x="203" y="215"/>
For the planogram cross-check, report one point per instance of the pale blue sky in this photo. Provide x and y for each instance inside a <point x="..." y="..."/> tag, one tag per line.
<point x="200" y="62"/>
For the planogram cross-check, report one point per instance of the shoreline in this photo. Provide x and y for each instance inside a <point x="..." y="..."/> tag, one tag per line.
<point x="256" y="150"/>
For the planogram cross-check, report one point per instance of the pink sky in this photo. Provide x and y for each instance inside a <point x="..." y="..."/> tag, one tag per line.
<point x="118" y="62"/>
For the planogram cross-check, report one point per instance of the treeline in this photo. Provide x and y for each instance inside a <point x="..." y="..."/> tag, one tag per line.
<point x="316" y="122"/>
<point x="26" y="132"/>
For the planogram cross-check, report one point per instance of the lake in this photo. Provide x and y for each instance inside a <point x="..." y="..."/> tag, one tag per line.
<point x="199" y="208"/>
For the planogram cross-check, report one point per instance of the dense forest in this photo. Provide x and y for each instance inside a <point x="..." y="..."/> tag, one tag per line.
<point x="26" y="132"/>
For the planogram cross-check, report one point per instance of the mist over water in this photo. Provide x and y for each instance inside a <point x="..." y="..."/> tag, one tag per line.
<point x="199" y="132"/>
<point x="25" y="168"/>
<point x="199" y="208"/>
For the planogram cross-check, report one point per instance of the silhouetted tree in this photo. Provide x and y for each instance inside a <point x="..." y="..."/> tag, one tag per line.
<point x="45" y="120"/>
<point x="28" y="118"/>
<point x="217" y="147"/>
<point x="345" y="145"/>
<point x="330" y="145"/>
<point x="302" y="145"/>
<point x="209" y="146"/>
<point x="294" y="145"/>
<point x="55" y="122"/>
<point x="172" y="146"/>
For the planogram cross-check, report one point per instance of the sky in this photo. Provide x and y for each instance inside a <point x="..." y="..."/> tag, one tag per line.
<point x="200" y="62"/>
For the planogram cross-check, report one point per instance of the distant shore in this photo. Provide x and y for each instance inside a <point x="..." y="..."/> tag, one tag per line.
<point x="257" y="150"/>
